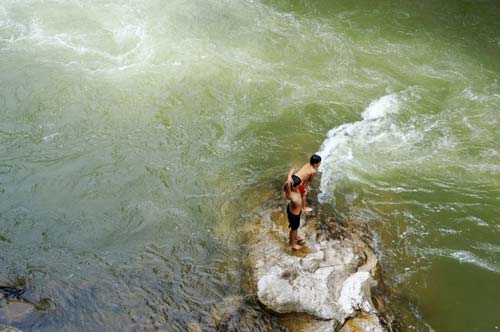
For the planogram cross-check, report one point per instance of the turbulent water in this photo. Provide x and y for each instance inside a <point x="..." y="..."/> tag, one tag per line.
<point x="138" y="137"/>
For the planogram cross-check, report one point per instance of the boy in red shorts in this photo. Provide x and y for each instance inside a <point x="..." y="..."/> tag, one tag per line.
<point x="305" y="175"/>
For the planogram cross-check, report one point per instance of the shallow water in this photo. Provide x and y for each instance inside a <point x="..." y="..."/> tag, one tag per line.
<point x="136" y="137"/>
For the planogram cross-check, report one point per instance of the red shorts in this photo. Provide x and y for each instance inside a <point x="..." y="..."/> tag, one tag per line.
<point x="301" y="189"/>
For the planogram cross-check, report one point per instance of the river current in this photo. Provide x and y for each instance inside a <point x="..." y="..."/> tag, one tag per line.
<point x="138" y="138"/>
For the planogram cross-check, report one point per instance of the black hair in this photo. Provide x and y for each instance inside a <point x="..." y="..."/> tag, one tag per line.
<point x="315" y="159"/>
<point x="296" y="181"/>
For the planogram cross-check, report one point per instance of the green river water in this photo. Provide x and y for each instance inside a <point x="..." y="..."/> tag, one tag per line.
<point x="137" y="136"/>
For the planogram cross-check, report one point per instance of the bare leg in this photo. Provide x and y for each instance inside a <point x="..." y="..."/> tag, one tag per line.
<point x="293" y="240"/>
<point x="304" y="207"/>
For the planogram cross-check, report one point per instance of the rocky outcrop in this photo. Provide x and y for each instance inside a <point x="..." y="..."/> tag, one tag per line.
<point x="330" y="280"/>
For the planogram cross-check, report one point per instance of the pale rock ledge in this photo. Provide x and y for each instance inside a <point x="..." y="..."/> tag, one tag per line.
<point x="329" y="280"/>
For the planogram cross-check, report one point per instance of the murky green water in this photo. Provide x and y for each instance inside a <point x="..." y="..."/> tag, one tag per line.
<point x="135" y="138"/>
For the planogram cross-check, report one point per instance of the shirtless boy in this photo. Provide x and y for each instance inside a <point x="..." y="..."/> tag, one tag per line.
<point x="305" y="175"/>
<point x="293" y="211"/>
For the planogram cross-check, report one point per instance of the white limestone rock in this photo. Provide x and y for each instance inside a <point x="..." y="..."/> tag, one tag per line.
<point x="356" y="294"/>
<point x="324" y="283"/>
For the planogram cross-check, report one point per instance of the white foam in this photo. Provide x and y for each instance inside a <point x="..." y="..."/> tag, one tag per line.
<point x="490" y="153"/>
<point x="381" y="107"/>
<point x="488" y="247"/>
<point x="449" y="231"/>
<point x="376" y="127"/>
<point x="478" y="97"/>
<point x="50" y="137"/>
<point x="470" y="95"/>
<point x="128" y="45"/>
<point x="464" y="256"/>
<point x="476" y="220"/>
<point x="468" y="257"/>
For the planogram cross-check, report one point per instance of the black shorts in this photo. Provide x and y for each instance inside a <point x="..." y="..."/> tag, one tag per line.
<point x="293" y="220"/>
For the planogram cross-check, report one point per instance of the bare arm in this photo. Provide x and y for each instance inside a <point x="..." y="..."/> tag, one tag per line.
<point x="289" y="176"/>
<point x="288" y="189"/>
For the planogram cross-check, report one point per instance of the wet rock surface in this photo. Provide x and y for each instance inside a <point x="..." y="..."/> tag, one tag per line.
<point x="5" y="328"/>
<point x="329" y="285"/>
<point x="239" y="314"/>
<point x="16" y="306"/>
<point x="364" y="323"/>
<point x="15" y="311"/>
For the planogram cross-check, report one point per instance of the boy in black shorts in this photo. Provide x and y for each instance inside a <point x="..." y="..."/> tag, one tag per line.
<point x="294" y="210"/>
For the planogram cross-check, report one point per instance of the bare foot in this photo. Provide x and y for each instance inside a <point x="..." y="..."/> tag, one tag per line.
<point x="295" y="246"/>
<point x="307" y="209"/>
<point x="301" y="241"/>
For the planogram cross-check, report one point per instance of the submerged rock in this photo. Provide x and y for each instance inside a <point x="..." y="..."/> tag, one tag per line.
<point x="330" y="280"/>
<point x="297" y="322"/>
<point x="223" y="312"/>
<point x="16" y="306"/>
<point x="15" y="311"/>
<point x="364" y="323"/>
<point x="194" y="327"/>
<point x="239" y="314"/>
<point x="4" y="328"/>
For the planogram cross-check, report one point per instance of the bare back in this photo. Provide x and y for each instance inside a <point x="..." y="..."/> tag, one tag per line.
<point x="295" y="200"/>
<point x="306" y="174"/>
